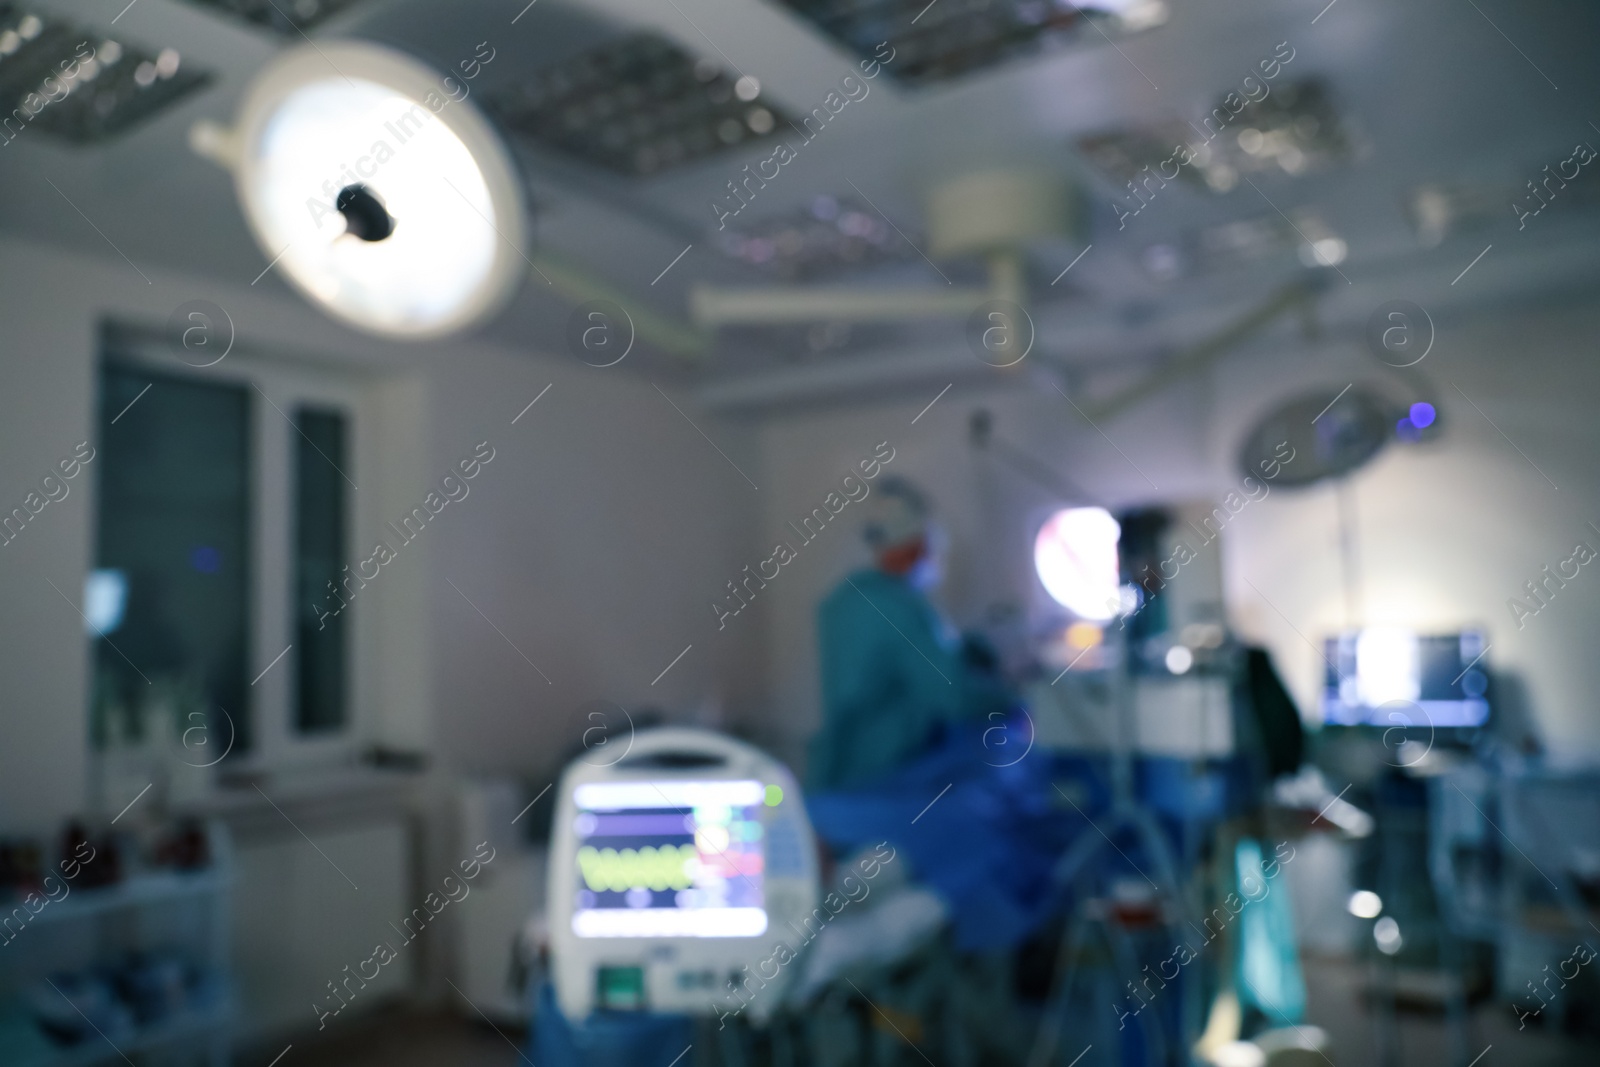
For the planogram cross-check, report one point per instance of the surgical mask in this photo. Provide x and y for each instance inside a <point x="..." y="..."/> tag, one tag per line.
<point x="927" y="574"/>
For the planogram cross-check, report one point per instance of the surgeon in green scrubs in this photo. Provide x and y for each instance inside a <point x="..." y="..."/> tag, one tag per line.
<point x="895" y="674"/>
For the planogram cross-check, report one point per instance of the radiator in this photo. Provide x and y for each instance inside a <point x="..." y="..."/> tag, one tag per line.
<point x="304" y="911"/>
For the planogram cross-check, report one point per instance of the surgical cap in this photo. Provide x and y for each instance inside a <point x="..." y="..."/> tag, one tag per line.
<point x="896" y="513"/>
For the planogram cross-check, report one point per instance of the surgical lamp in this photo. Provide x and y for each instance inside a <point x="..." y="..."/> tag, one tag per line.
<point x="383" y="200"/>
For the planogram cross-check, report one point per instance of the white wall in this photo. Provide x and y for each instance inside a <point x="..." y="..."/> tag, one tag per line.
<point x="591" y="541"/>
<point x="46" y="407"/>
<point x="1449" y="530"/>
<point x="606" y="524"/>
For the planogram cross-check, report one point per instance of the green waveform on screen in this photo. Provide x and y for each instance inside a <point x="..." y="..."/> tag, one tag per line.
<point x="649" y="867"/>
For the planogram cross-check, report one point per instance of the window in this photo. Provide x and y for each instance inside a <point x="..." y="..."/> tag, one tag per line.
<point x="174" y="524"/>
<point x="226" y="517"/>
<point x="320" y="547"/>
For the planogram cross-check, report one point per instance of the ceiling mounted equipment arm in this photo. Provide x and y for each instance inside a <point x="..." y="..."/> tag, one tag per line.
<point x="713" y="306"/>
<point x="1299" y="294"/>
<point x="993" y="214"/>
<point x="981" y="435"/>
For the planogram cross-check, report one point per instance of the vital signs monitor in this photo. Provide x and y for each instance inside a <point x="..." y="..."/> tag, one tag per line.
<point x="672" y="871"/>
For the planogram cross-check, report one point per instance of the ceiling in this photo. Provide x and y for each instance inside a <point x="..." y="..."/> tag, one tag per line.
<point x="1475" y="95"/>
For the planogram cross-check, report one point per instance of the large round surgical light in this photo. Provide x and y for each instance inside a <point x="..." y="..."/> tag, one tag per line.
<point x="1076" y="557"/>
<point x="380" y="198"/>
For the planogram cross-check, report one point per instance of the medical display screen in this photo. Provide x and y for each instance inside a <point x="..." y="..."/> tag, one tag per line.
<point x="669" y="859"/>
<point x="1388" y="677"/>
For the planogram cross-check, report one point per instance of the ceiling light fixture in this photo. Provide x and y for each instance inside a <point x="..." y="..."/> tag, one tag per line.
<point x="1294" y="130"/>
<point x="381" y="199"/>
<point x="939" y="42"/>
<point x="637" y="105"/>
<point x="69" y="82"/>
<point x="829" y="237"/>
<point x="287" y="17"/>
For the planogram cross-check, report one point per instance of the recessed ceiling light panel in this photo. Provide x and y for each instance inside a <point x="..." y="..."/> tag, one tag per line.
<point x="1294" y="130"/>
<point x="829" y="237"/>
<point x="382" y="200"/>
<point x="935" y="42"/>
<point x="71" y="82"/>
<point x="638" y="105"/>
<point x="288" y="17"/>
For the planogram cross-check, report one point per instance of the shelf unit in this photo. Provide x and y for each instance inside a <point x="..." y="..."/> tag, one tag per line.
<point x="208" y="1027"/>
<point x="206" y="1030"/>
<point x="133" y="892"/>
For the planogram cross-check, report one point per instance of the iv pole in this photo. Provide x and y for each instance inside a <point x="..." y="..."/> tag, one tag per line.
<point x="1126" y="813"/>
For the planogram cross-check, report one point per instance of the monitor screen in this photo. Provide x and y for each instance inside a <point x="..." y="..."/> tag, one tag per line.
<point x="669" y="859"/>
<point x="1385" y="676"/>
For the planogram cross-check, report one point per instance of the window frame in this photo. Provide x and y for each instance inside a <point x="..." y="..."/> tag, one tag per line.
<point x="278" y="387"/>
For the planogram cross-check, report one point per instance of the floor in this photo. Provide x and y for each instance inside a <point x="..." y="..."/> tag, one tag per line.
<point x="401" y="1039"/>
<point x="1422" y="1039"/>
<point x="396" y="1039"/>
